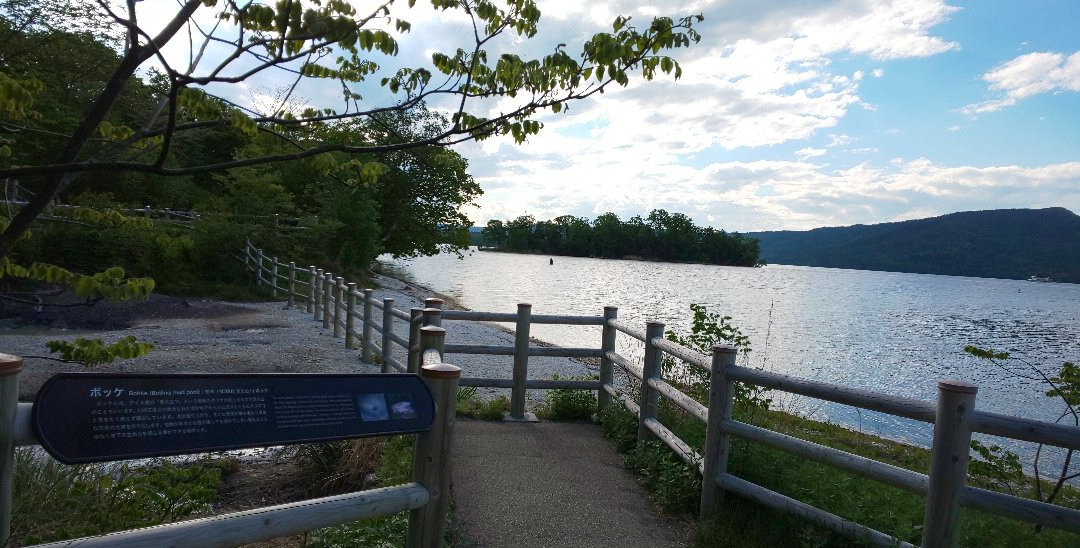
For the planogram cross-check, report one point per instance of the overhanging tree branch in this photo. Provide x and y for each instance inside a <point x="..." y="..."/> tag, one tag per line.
<point x="295" y="38"/>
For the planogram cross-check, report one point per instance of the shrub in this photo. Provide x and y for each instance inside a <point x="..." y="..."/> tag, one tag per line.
<point x="568" y="404"/>
<point x="53" y="501"/>
<point x="393" y="467"/>
<point x="675" y="485"/>
<point x="618" y="426"/>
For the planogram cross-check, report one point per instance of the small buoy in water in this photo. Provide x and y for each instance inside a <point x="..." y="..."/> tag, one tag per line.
<point x="551" y="261"/>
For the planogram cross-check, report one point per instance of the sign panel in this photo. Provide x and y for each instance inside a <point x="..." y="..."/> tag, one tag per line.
<point x="92" y="417"/>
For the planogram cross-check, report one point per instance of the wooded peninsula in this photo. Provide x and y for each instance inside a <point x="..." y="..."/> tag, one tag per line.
<point x="661" y="236"/>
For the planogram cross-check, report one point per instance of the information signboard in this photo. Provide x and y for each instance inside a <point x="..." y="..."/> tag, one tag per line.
<point x="93" y="417"/>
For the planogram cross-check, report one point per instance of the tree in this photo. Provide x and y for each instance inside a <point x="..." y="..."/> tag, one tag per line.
<point x="519" y="233"/>
<point x="608" y="236"/>
<point x="577" y="235"/>
<point x="495" y="233"/>
<point x="422" y="191"/>
<point x="300" y="41"/>
<point x="661" y="236"/>
<point x="1065" y="386"/>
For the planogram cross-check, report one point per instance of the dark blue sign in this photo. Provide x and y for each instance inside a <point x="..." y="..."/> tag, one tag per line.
<point x="93" y="417"/>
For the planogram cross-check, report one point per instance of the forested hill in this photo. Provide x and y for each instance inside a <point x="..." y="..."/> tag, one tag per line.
<point x="1003" y="243"/>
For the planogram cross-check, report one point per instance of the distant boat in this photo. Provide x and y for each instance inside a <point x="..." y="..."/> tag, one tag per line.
<point x="1035" y="278"/>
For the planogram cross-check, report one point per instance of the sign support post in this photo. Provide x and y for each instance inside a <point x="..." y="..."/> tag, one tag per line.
<point x="10" y="366"/>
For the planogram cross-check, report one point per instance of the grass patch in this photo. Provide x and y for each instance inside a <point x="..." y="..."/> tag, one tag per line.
<point x="568" y="404"/>
<point x="54" y="501"/>
<point x="392" y="466"/>
<point x="489" y="410"/>
<point x="336" y="467"/>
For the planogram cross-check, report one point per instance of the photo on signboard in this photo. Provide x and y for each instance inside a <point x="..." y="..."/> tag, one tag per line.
<point x="401" y="406"/>
<point x="372" y="407"/>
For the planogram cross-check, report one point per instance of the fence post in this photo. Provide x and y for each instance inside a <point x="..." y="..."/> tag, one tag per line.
<point x="717" y="443"/>
<point x="607" y="344"/>
<point x="414" y="339"/>
<point x="650" y="398"/>
<point x="247" y="254"/>
<point x="432" y="337"/>
<point x="434" y="302"/>
<point x="432" y="317"/>
<point x="365" y="348"/>
<point x="316" y="292"/>
<point x="258" y="268"/>
<point x="10" y="366"/>
<point x="431" y="458"/>
<point x="387" y="330"/>
<point x="328" y="295"/>
<point x="312" y="276"/>
<point x="948" y="463"/>
<point x="350" y="320"/>
<point x="339" y="298"/>
<point x="521" y="366"/>
<point x="290" y="302"/>
<point x="273" y="276"/>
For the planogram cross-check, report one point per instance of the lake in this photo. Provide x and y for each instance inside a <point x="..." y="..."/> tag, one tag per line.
<point x="892" y="332"/>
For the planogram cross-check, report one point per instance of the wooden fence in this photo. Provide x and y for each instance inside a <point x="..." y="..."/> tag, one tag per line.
<point x="954" y="415"/>
<point x="427" y="497"/>
<point x="185" y="218"/>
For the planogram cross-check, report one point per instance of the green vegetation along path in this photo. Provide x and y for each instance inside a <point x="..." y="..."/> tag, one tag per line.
<point x="550" y="484"/>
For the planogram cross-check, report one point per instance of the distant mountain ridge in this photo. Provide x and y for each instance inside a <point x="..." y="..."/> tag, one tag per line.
<point x="1001" y="243"/>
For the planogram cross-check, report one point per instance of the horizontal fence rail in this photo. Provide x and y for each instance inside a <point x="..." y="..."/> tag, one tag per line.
<point x="264" y="524"/>
<point x="945" y="486"/>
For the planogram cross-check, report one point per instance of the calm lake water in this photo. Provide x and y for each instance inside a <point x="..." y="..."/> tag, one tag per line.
<point x="891" y="332"/>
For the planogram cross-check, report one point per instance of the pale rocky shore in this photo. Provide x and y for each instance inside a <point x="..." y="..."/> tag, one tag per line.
<point x="193" y="335"/>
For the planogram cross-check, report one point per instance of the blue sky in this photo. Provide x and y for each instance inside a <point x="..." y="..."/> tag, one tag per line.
<point x="789" y="115"/>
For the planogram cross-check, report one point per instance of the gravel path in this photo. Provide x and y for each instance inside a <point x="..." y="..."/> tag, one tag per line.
<point x="202" y="336"/>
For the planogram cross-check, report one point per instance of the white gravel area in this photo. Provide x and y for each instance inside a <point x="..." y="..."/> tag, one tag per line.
<point x="202" y="336"/>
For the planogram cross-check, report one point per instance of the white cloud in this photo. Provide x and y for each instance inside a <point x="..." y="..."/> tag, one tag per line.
<point x="1029" y="75"/>
<point x="762" y="194"/>
<point x="762" y="73"/>
<point x="807" y="153"/>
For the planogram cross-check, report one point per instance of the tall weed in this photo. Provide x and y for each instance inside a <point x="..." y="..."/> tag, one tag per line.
<point x="54" y="501"/>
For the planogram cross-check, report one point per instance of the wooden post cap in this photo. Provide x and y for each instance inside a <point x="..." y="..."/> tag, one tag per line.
<point x="653" y="323"/>
<point x="432" y="312"/>
<point x="724" y="349"/>
<point x="524" y="305"/>
<point x="962" y="387"/>
<point x="609" y="309"/>
<point x="369" y="291"/>
<point x="441" y="371"/>
<point x="433" y="331"/>
<point x="433" y="300"/>
<point x="9" y="364"/>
